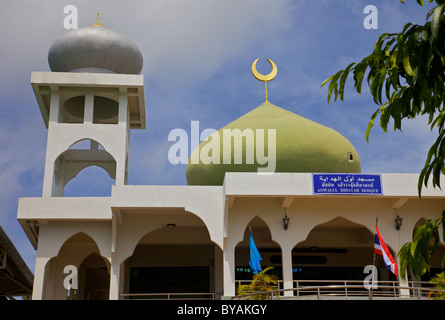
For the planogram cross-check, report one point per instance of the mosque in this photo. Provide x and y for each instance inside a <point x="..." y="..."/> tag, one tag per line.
<point x="312" y="217"/>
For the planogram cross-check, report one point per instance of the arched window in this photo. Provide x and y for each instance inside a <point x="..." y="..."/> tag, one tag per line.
<point x="85" y="169"/>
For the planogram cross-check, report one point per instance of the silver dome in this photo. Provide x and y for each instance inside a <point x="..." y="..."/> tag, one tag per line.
<point x="94" y="49"/>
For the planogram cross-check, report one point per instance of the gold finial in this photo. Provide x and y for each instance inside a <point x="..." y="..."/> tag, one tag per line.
<point x="97" y="22"/>
<point x="262" y="77"/>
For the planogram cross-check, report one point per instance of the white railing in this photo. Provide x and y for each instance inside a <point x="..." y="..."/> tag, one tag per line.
<point x="324" y="289"/>
<point x="313" y="289"/>
<point x="171" y="296"/>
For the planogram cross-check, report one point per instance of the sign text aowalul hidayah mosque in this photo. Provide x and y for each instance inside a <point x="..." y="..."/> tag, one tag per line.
<point x="338" y="183"/>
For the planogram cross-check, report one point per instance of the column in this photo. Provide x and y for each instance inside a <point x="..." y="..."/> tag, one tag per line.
<point x="229" y="270"/>
<point x="39" y="278"/>
<point x="115" y="273"/>
<point x="402" y="283"/>
<point x="89" y="108"/>
<point x="218" y="270"/>
<point x="287" y="271"/>
<point x="123" y="123"/>
<point x="49" y="162"/>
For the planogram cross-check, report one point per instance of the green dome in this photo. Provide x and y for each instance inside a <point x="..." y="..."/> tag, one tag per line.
<point x="301" y="146"/>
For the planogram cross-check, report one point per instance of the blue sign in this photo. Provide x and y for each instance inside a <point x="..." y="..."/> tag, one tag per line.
<point x="347" y="183"/>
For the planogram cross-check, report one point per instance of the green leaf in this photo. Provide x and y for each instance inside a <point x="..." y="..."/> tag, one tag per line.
<point x="443" y="225"/>
<point x="333" y="84"/>
<point x="326" y="81"/>
<point x="359" y="74"/>
<point x="435" y="20"/>
<point x="371" y="123"/>
<point x="407" y="65"/>
<point x="343" y="80"/>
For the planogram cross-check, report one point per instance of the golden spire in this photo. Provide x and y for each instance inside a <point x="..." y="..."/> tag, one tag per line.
<point x="262" y="77"/>
<point x="97" y="22"/>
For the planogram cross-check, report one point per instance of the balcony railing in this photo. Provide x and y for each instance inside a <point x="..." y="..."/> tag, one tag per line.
<point x="348" y="289"/>
<point x="314" y="289"/>
<point x="170" y="296"/>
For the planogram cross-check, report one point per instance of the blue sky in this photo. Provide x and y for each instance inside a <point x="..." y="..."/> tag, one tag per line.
<point x="197" y="59"/>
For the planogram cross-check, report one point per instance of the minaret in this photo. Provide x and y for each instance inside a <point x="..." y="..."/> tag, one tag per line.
<point x="94" y="92"/>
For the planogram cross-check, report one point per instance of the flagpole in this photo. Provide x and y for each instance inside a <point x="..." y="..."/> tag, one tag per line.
<point x="376" y="220"/>
<point x="373" y="260"/>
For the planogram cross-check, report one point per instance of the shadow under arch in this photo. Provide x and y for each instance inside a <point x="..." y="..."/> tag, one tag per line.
<point x="338" y="249"/>
<point x="72" y="161"/>
<point x="94" y="278"/>
<point x="73" y="252"/>
<point x="176" y="257"/>
<point x="270" y="250"/>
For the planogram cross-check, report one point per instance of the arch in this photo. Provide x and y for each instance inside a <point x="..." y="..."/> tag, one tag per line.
<point x="338" y="226"/>
<point x="99" y="146"/>
<point x="83" y="144"/>
<point x="75" y="249"/>
<point x="176" y="246"/>
<point x="269" y="249"/>
<point x="94" y="278"/>
<point x="91" y="181"/>
<point x="135" y="230"/>
<point x="73" y="160"/>
<point x="338" y="249"/>
<point x="78" y="237"/>
<point x="242" y="222"/>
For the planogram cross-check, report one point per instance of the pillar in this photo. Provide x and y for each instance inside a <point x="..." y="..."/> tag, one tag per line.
<point x="115" y="274"/>
<point x="229" y="270"/>
<point x="39" y="278"/>
<point x="287" y="271"/>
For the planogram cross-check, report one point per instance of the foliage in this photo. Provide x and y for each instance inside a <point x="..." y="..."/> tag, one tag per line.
<point x="261" y="282"/>
<point x="439" y="283"/>
<point x="405" y="75"/>
<point x="417" y="254"/>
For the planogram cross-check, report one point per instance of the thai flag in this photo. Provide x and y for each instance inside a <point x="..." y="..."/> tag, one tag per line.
<point x="381" y="249"/>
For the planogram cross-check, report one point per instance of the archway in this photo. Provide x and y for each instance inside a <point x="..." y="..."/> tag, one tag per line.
<point x="84" y="169"/>
<point x="269" y="250"/>
<point x="94" y="278"/>
<point x="74" y="252"/>
<point x="178" y="258"/>
<point x="335" y="251"/>
<point x="92" y="181"/>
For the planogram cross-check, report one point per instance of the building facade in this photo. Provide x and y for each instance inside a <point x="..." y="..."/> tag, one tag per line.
<point x="195" y="238"/>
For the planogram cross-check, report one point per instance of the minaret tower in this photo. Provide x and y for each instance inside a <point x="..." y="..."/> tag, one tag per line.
<point x="94" y="92"/>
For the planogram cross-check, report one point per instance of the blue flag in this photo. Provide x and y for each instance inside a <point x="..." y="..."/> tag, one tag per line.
<point x="255" y="257"/>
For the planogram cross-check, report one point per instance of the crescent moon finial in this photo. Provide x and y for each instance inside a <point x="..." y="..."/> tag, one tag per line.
<point x="262" y="77"/>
